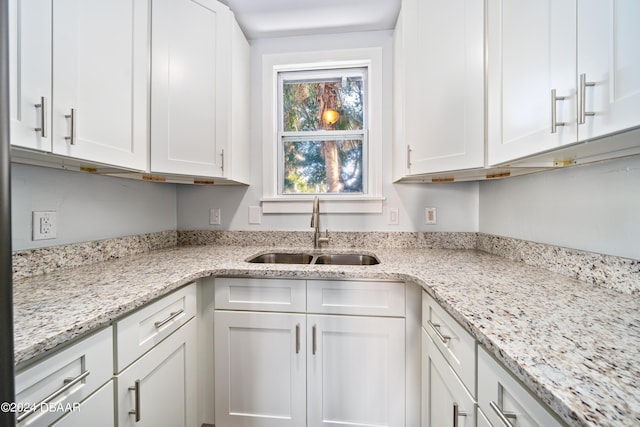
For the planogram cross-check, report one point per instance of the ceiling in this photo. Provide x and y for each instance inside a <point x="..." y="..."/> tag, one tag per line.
<point x="281" y="18"/>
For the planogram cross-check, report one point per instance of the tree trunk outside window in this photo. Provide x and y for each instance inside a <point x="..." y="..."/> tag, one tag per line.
<point x="329" y="100"/>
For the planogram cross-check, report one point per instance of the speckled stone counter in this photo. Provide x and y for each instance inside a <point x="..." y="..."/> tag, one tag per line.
<point x="574" y="344"/>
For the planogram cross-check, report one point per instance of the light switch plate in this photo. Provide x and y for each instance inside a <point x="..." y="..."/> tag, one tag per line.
<point x="255" y="215"/>
<point x="214" y="216"/>
<point x="393" y="216"/>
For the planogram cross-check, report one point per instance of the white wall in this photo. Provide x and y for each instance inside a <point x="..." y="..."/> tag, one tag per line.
<point x="457" y="204"/>
<point x="593" y="207"/>
<point x="88" y="207"/>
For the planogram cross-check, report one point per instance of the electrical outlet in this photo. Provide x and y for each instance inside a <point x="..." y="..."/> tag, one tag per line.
<point x="430" y="216"/>
<point x="44" y="225"/>
<point x="214" y="216"/>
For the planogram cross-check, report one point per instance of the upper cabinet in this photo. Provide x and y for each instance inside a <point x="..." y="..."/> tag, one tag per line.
<point x="438" y="122"/>
<point x="79" y="79"/>
<point x="200" y="90"/>
<point x="561" y="72"/>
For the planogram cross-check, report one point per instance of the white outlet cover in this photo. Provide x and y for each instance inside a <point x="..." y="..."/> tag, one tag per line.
<point x="44" y="225"/>
<point x="430" y="217"/>
<point x="214" y="216"/>
<point x="255" y="215"/>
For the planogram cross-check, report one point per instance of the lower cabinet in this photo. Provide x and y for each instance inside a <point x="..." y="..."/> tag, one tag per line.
<point x="159" y="389"/>
<point x="96" y="411"/>
<point x="446" y="401"/>
<point x="275" y="369"/>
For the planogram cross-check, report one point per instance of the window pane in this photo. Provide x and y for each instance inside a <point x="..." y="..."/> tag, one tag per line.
<point x="323" y="166"/>
<point x="305" y="101"/>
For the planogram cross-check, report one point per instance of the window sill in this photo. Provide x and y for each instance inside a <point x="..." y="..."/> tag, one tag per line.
<point x="328" y="204"/>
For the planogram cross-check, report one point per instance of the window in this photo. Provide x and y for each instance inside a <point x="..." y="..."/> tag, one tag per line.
<point x="338" y="157"/>
<point x="322" y="121"/>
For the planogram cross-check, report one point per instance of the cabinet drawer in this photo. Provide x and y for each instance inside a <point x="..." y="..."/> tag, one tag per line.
<point x="74" y="372"/>
<point x="455" y="343"/>
<point x="499" y="392"/>
<point x="356" y="297"/>
<point x="140" y="331"/>
<point x="260" y="294"/>
<point x="96" y="411"/>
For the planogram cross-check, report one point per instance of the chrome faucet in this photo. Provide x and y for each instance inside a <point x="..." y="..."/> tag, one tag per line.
<point x="315" y="223"/>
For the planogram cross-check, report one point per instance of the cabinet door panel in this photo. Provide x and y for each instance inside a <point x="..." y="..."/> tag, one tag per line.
<point x="167" y="384"/>
<point x="100" y="71"/>
<point x="356" y="371"/>
<point x="186" y="73"/>
<point x="30" y="72"/>
<point x="260" y="369"/>
<point x="609" y="56"/>
<point x="531" y="48"/>
<point x="444" y="396"/>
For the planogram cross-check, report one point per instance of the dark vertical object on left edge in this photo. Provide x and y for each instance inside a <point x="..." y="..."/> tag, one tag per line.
<point x="7" y="381"/>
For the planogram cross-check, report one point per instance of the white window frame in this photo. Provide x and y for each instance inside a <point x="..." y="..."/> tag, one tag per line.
<point x="272" y="66"/>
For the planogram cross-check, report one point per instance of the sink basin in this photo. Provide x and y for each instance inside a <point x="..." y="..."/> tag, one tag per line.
<point x="309" y="258"/>
<point x="282" y="258"/>
<point x="347" y="259"/>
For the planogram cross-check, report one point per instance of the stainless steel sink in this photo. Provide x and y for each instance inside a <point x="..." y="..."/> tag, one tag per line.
<point x="347" y="259"/>
<point x="315" y="258"/>
<point x="282" y="258"/>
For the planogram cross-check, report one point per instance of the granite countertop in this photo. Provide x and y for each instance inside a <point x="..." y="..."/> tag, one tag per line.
<point x="575" y="345"/>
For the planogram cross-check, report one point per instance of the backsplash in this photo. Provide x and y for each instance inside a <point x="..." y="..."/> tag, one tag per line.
<point x="621" y="274"/>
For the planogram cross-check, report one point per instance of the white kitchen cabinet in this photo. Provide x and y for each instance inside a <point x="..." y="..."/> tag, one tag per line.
<point x="504" y="401"/>
<point x="260" y="369"/>
<point x="609" y="59"/>
<point x="86" y="94"/>
<point x="559" y="73"/>
<point x="160" y="388"/>
<point x="100" y="90"/>
<point x="445" y="400"/>
<point x="305" y="369"/>
<point x="355" y="371"/>
<point x="30" y="73"/>
<point x="199" y="85"/>
<point x="55" y="386"/>
<point x="438" y="121"/>
<point x="96" y="411"/>
<point x="531" y="52"/>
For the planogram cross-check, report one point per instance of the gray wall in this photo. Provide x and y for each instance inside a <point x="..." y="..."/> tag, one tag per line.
<point x="593" y="207"/>
<point x="457" y="204"/>
<point x="88" y="207"/>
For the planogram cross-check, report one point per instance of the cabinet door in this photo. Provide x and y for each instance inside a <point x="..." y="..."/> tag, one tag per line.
<point x="356" y="371"/>
<point x="609" y="57"/>
<point x="443" y="85"/>
<point x="187" y="77"/>
<point x="445" y="402"/>
<point x="100" y="53"/>
<point x="96" y="411"/>
<point x="159" y="389"/>
<point x="532" y="51"/>
<point x="30" y="73"/>
<point x="260" y="367"/>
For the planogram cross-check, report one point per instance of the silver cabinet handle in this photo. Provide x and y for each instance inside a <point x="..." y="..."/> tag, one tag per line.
<point x="222" y="161"/>
<point x="68" y="383"/>
<point x="457" y="414"/>
<point x="298" y="338"/>
<point x="74" y="124"/>
<point x="43" y="117"/>
<point x="503" y="416"/>
<point x="136" y="411"/>
<point x="554" y="100"/>
<point x="161" y="323"/>
<point x="314" y="344"/>
<point x="408" y="157"/>
<point x="436" y="329"/>
<point x="583" y="99"/>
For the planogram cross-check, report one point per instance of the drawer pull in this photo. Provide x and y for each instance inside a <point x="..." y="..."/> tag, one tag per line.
<point x="504" y="416"/>
<point x="436" y="329"/>
<point x="456" y="414"/>
<point x="136" y="411"/>
<point x="172" y="316"/>
<point x="68" y="384"/>
<point x="298" y="338"/>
